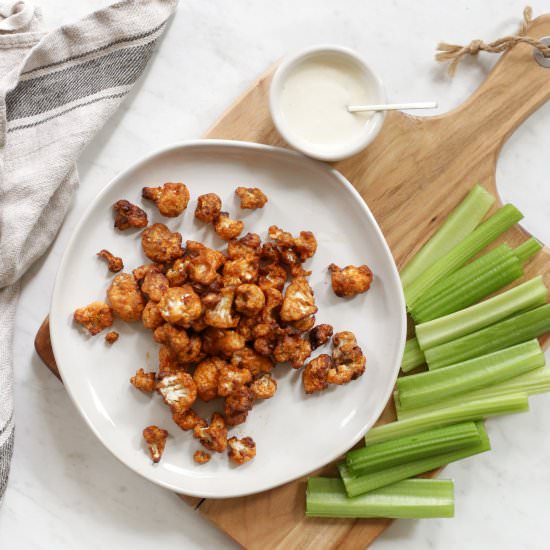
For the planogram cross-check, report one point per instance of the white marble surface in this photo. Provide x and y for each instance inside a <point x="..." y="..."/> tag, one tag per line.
<point x="66" y="491"/>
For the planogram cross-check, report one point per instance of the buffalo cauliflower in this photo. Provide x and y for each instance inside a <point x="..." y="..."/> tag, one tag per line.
<point x="155" y="438"/>
<point x="154" y="285"/>
<point x="315" y="374"/>
<point x="241" y="450"/>
<point x="180" y="305"/>
<point x="206" y="377"/>
<point x="299" y="301"/>
<point x="144" y="381"/>
<point x="350" y="280"/>
<point x="114" y="263"/>
<point x="214" y="435"/>
<point x="251" y="197"/>
<point x="129" y="215"/>
<point x="94" y="317"/>
<point x="160" y="244"/>
<point x="171" y="199"/>
<point x="264" y="387"/>
<point x="178" y="391"/>
<point x="227" y="228"/>
<point x="208" y="207"/>
<point x="125" y="297"/>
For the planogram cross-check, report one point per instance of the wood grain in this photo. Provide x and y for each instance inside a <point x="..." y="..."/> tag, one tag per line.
<point x="411" y="176"/>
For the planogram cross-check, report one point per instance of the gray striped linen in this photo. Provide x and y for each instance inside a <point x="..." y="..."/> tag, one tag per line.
<point x="58" y="88"/>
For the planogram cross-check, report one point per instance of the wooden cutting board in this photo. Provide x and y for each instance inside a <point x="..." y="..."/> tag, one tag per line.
<point x="411" y="177"/>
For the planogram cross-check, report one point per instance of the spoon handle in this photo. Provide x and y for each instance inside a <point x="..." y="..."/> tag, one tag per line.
<point x="392" y="106"/>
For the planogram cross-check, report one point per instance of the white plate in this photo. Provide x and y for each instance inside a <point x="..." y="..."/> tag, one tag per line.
<point x="294" y="433"/>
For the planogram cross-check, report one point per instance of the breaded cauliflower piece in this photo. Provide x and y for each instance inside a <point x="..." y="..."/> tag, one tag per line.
<point x="160" y="244"/>
<point x="241" y="270"/>
<point x="154" y="285"/>
<point x="272" y="276"/>
<point x="284" y="239"/>
<point x="112" y="337"/>
<point x="129" y="215"/>
<point x="227" y="228"/>
<point x="293" y="349"/>
<point x="305" y="245"/>
<point x="150" y="316"/>
<point x="140" y="272"/>
<point x="180" y="305"/>
<point x="208" y="207"/>
<point x="125" y="297"/>
<point x="202" y="262"/>
<point x="299" y="301"/>
<point x="246" y="247"/>
<point x="201" y="457"/>
<point x="247" y="358"/>
<point x="269" y="253"/>
<point x="222" y="342"/>
<point x="213" y="436"/>
<point x="186" y="348"/>
<point x="230" y="378"/>
<point x="188" y="419"/>
<point x="320" y="335"/>
<point x="251" y="197"/>
<point x="350" y="280"/>
<point x="94" y="317"/>
<point x="241" y="450"/>
<point x="249" y="299"/>
<point x="155" y="438"/>
<point x="178" y="391"/>
<point x="315" y="374"/>
<point x="144" y="381"/>
<point x="246" y="327"/>
<point x="177" y="272"/>
<point x="171" y="199"/>
<point x="114" y="263"/>
<point x="348" y="358"/>
<point x="303" y="325"/>
<point x="219" y="312"/>
<point x="206" y="377"/>
<point x="291" y="259"/>
<point x="237" y="405"/>
<point x="273" y="302"/>
<point x="168" y="362"/>
<point x="264" y="387"/>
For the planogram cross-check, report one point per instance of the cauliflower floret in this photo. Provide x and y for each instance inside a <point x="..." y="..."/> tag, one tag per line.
<point x="315" y="374"/>
<point x="186" y="348"/>
<point x="188" y="419"/>
<point x="94" y="317"/>
<point x="178" y="391"/>
<point x="224" y="342"/>
<point x="155" y="438"/>
<point x="264" y="387"/>
<point x="320" y="335"/>
<point x="140" y="272"/>
<point x="114" y="263"/>
<point x="214" y="436"/>
<point x="303" y="325"/>
<point x="180" y="305"/>
<point x="208" y="207"/>
<point x="272" y="276"/>
<point x="171" y="199"/>
<point x="144" y="381"/>
<point x="129" y="215"/>
<point x="251" y="197"/>
<point x="227" y="228"/>
<point x="249" y="299"/>
<point x="237" y="405"/>
<point x="350" y="280"/>
<point x="177" y="272"/>
<point x="206" y="377"/>
<point x="241" y="270"/>
<point x="348" y="358"/>
<point x="305" y="245"/>
<point x="160" y="244"/>
<point x="201" y="457"/>
<point x="284" y="239"/>
<point x="168" y="362"/>
<point x="291" y="259"/>
<point x="111" y="337"/>
<point x="154" y="285"/>
<point x="202" y="262"/>
<point x="241" y="450"/>
<point x="246" y="327"/>
<point x="125" y="297"/>
<point x="272" y="308"/>
<point x="299" y="301"/>
<point x="247" y="358"/>
<point x="246" y="247"/>
<point x="150" y="316"/>
<point x="219" y="312"/>
<point x="292" y="348"/>
<point x="269" y="253"/>
<point x="230" y="378"/>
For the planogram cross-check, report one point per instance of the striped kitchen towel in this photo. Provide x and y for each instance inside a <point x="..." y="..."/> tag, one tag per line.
<point x="56" y="91"/>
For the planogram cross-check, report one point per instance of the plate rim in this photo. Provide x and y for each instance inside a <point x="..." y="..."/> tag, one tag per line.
<point x="245" y="146"/>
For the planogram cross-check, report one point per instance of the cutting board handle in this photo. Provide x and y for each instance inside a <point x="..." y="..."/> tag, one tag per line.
<point x="513" y="90"/>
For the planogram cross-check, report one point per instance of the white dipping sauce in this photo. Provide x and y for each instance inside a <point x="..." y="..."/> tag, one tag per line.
<point x="315" y="96"/>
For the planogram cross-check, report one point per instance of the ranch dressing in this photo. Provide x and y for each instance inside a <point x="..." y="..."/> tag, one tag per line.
<point x="315" y="96"/>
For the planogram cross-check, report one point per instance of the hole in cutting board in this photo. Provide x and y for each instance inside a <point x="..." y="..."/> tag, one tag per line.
<point x="523" y="173"/>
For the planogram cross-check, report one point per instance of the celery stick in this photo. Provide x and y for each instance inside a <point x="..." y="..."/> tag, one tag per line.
<point x="527" y="249"/>
<point x="469" y="284"/>
<point x="484" y="234"/>
<point x="530" y="383"/>
<point x="516" y="329"/>
<point x="412" y="356"/>
<point x="363" y="483"/>
<point x="520" y="298"/>
<point x="407" y="499"/>
<point x="444" y="416"/>
<point x="381" y="456"/>
<point x="433" y="386"/>
<point x="458" y="225"/>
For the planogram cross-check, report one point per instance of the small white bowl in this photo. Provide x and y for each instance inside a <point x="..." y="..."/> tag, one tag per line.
<point x="338" y="151"/>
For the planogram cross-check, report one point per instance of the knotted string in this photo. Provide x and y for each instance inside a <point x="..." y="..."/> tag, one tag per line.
<point x="454" y="53"/>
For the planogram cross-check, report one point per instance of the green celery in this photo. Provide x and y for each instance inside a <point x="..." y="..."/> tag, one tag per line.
<point x="516" y="329"/>
<point x="363" y="483"/>
<point x="381" y="456"/>
<point x="470" y="284"/>
<point x="526" y="296"/>
<point x="429" y="387"/>
<point x="407" y="499"/>
<point x="444" y="416"/>
<point x="527" y="249"/>
<point x="484" y="234"/>
<point x="458" y="225"/>
<point x="530" y="383"/>
<point x="413" y="356"/>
